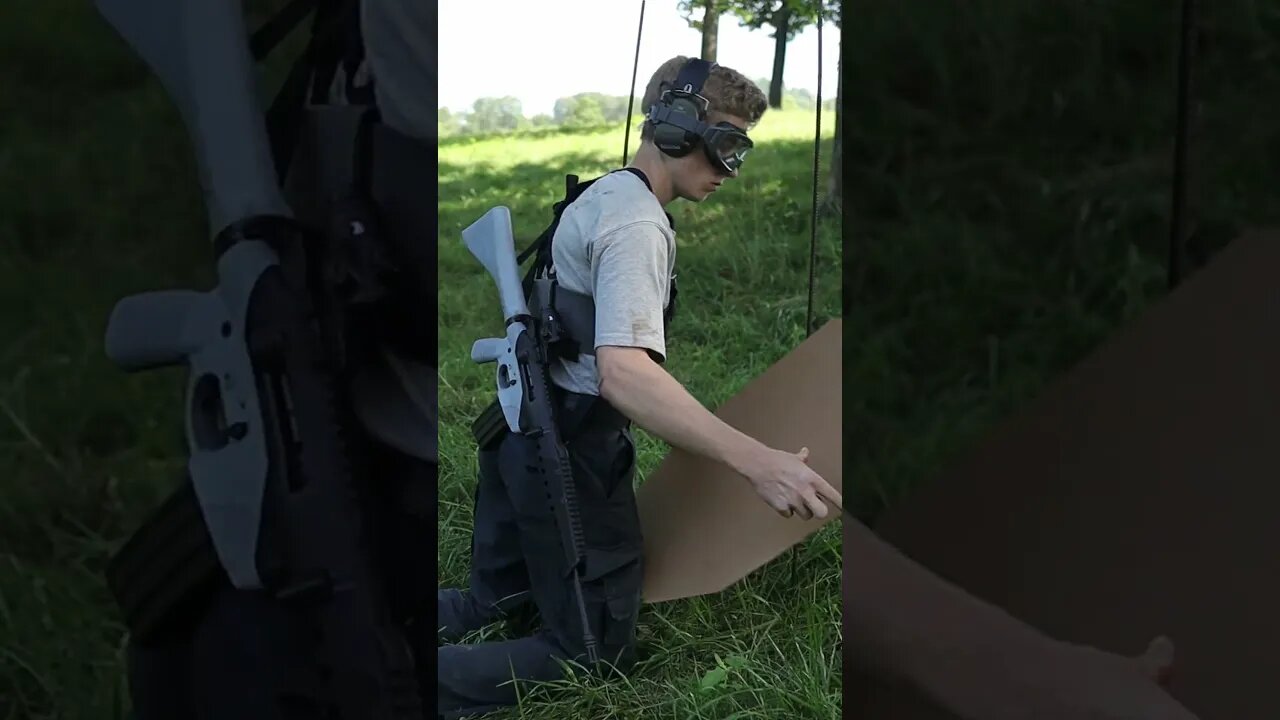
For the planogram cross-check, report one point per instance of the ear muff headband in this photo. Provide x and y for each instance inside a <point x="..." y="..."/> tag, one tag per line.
<point x="679" y="121"/>
<point x="681" y="101"/>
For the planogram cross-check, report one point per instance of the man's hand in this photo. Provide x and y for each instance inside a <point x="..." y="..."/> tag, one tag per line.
<point x="978" y="661"/>
<point x="645" y="392"/>
<point x="1077" y="681"/>
<point x="1074" y="682"/>
<point x="787" y="484"/>
<point x="1063" y="681"/>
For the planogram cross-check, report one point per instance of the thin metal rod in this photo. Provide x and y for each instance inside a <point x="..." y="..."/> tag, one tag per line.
<point x="626" y="140"/>
<point x="1181" y="149"/>
<point x="817" y="152"/>
<point x="813" y="228"/>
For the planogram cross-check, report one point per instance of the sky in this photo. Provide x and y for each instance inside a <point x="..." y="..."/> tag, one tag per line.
<point x="541" y="50"/>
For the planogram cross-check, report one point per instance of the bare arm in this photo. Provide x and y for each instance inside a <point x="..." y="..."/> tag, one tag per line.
<point x="977" y="660"/>
<point x="645" y="392"/>
<point x="629" y="288"/>
<point x="907" y="622"/>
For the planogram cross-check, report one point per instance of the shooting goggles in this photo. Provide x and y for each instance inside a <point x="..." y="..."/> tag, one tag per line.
<point x="725" y="144"/>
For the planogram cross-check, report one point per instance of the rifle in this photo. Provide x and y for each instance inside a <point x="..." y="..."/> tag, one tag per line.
<point x="524" y="387"/>
<point x="270" y="482"/>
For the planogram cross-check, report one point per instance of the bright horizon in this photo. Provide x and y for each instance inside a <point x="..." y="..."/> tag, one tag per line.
<point x="548" y="49"/>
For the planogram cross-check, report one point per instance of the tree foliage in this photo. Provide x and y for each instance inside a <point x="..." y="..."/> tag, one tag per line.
<point x="787" y="18"/>
<point x="497" y="115"/>
<point x="694" y="11"/>
<point x="756" y="14"/>
<point x="704" y="16"/>
<point x="585" y="109"/>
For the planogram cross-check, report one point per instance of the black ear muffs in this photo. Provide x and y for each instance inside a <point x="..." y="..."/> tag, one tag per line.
<point x="681" y="110"/>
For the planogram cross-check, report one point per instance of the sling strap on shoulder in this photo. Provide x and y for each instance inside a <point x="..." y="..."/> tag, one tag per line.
<point x="568" y="318"/>
<point x="575" y="311"/>
<point x="335" y="42"/>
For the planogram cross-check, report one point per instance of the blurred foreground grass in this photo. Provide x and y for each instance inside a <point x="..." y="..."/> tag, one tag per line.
<point x="1009" y="200"/>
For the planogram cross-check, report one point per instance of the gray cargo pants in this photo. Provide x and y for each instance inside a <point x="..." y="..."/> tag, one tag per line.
<point x="518" y="562"/>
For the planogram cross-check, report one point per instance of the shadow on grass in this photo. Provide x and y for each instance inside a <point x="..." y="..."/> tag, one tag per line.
<point x="774" y="186"/>
<point x="1010" y="180"/>
<point x="743" y="253"/>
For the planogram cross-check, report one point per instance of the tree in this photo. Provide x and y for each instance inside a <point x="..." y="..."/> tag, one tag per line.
<point x="490" y="115"/>
<point x="787" y="18"/>
<point x="586" y="112"/>
<point x="563" y="108"/>
<point x="591" y="108"/>
<point x="448" y="122"/>
<point x="709" y="25"/>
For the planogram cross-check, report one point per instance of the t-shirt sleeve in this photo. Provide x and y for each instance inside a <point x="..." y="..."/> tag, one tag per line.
<point x="629" y="280"/>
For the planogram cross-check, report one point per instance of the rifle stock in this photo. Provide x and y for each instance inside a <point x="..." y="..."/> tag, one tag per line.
<point x="490" y="241"/>
<point x="199" y="49"/>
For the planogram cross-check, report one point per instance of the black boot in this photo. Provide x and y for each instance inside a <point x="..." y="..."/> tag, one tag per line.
<point x="458" y="613"/>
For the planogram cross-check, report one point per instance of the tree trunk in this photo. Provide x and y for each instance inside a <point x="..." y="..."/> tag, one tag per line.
<point x="710" y="30"/>
<point x="781" y="24"/>
<point x="834" y="180"/>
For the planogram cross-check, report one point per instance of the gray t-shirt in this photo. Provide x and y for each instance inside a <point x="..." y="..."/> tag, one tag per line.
<point x="616" y="244"/>
<point x="397" y="398"/>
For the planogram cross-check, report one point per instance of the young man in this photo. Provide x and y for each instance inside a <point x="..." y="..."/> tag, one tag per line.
<point x="615" y="245"/>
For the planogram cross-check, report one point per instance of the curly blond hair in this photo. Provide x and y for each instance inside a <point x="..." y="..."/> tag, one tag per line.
<point x="727" y="91"/>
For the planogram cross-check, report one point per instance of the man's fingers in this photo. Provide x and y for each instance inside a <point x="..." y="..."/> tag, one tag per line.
<point x="824" y="489"/>
<point x="780" y="506"/>
<point x="1157" y="661"/>
<point x="813" y="504"/>
<point x="821" y="486"/>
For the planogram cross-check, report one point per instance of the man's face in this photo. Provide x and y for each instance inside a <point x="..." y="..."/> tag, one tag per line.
<point x="694" y="177"/>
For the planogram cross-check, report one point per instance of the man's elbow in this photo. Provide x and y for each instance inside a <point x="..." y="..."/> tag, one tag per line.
<point x="617" y="366"/>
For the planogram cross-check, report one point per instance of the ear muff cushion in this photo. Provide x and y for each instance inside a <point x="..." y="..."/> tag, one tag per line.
<point x="674" y="140"/>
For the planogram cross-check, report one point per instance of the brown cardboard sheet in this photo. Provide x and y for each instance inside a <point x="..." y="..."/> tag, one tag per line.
<point x="1139" y="495"/>
<point x="705" y="528"/>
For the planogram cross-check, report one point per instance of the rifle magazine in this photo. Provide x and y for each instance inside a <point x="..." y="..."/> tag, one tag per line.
<point x="166" y="572"/>
<point x="489" y="427"/>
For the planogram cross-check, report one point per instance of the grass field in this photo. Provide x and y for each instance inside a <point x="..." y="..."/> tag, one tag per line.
<point x="99" y="200"/>
<point x="768" y="647"/>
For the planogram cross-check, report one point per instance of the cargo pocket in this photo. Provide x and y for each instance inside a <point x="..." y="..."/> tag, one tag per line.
<point x="624" y="468"/>
<point x="613" y="580"/>
<point x="620" y="631"/>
